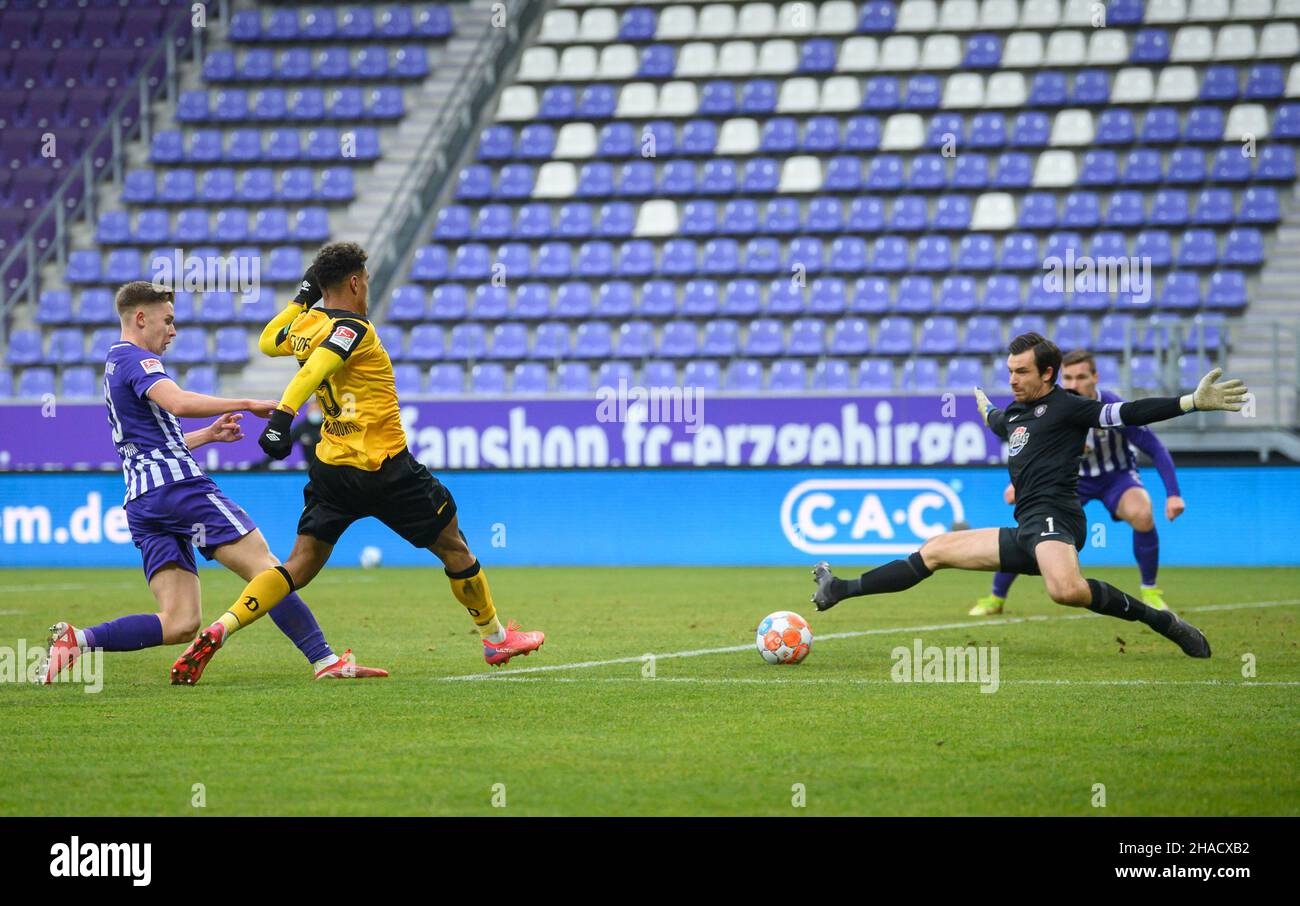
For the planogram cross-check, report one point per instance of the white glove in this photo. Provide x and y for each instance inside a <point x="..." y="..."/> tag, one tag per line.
<point x="982" y="401"/>
<point x="1227" y="396"/>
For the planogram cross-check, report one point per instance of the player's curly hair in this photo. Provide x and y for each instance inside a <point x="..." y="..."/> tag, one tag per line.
<point x="1046" y="353"/>
<point x="141" y="292"/>
<point x="336" y="262"/>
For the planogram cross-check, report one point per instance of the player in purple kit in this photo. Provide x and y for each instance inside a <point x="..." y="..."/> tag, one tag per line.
<point x="172" y="506"/>
<point x="1108" y="472"/>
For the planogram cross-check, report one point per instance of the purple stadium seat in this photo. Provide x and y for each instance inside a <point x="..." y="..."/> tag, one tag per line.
<point x="446" y="380"/>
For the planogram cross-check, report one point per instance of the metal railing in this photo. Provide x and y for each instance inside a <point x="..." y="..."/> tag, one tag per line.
<point x="28" y="251"/>
<point x="1275" y="379"/>
<point x="397" y="227"/>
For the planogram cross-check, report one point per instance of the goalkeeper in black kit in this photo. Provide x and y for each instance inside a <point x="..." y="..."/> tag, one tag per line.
<point x="1045" y="430"/>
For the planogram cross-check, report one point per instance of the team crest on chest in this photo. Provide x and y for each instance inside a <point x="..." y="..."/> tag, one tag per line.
<point x="1038" y="413"/>
<point x="1018" y="439"/>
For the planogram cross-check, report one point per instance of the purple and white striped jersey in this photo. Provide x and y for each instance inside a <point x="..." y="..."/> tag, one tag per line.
<point x="1108" y="449"/>
<point x="1111" y="450"/>
<point x="148" y="438"/>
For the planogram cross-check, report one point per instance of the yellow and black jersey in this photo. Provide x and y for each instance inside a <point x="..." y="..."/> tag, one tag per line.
<point x="362" y="425"/>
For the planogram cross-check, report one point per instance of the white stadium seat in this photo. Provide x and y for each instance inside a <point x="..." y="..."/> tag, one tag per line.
<point x="838" y="17"/>
<point x="737" y="58"/>
<point x="578" y="63"/>
<point x="1244" y="120"/>
<point x="618" y="61"/>
<point x="1066" y="48"/>
<point x="1208" y="11"/>
<point x="555" y="179"/>
<point x="959" y="15"/>
<point x="801" y="174"/>
<point x="738" y="136"/>
<point x="756" y="20"/>
<point x="717" y="20"/>
<point x="993" y="211"/>
<point x="656" y="218"/>
<point x="1279" y="40"/>
<point x="1286" y="9"/>
<point x="941" y="52"/>
<point x="841" y="94"/>
<point x="1023" y="50"/>
<point x="797" y="17"/>
<point x="575" y="141"/>
<point x="1054" y="170"/>
<point x="1079" y="12"/>
<point x="1133" y="85"/>
<point x="900" y="52"/>
<point x="1166" y="12"/>
<point x="799" y="95"/>
<point x="1235" y="42"/>
<point x="538" y="64"/>
<point x="1072" y="129"/>
<point x="559" y="26"/>
<point x="1177" y="84"/>
<point x="697" y="59"/>
<point x="1005" y="89"/>
<point x="678" y="99"/>
<point x="1191" y="44"/>
<point x="1293" y="82"/>
<point x="903" y="132"/>
<point x="916" y="15"/>
<point x="636" y="99"/>
<point x="778" y="57"/>
<point x="676" y="23"/>
<point x="858" y="54"/>
<point x="1107" y="47"/>
<point x="598" y="26"/>
<point x="999" y="15"/>
<point x="518" y="102"/>
<point x="1040" y="14"/>
<point x="964" y="91"/>
<point x="1246" y="10"/>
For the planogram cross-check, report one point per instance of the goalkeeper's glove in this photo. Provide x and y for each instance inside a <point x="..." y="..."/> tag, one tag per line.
<point x="309" y="291"/>
<point x="982" y="401"/>
<point x="1209" y="396"/>
<point x="276" y="441"/>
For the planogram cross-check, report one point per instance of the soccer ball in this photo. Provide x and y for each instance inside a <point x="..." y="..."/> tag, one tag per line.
<point x="371" y="557"/>
<point x="783" y="638"/>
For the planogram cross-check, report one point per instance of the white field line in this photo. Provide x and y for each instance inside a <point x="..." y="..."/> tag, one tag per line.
<point x="933" y="627"/>
<point x="852" y="681"/>
<point x="324" y="579"/>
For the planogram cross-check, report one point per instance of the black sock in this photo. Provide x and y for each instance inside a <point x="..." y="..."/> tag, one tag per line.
<point x="896" y="575"/>
<point x="1109" y="600"/>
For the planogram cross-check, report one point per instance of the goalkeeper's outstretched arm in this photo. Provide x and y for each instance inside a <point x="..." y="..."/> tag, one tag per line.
<point x="1210" y="395"/>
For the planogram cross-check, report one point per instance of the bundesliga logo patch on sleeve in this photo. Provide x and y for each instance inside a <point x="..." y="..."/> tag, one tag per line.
<point x="343" y="337"/>
<point x="151" y="366"/>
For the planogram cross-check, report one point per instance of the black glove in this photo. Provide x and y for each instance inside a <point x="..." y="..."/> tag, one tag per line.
<point x="309" y="292"/>
<point x="276" y="441"/>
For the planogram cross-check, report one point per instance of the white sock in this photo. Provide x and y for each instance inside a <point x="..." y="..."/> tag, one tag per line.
<point x="497" y="637"/>
<point x="328" y="661"/>
<point x="80" y="636"/>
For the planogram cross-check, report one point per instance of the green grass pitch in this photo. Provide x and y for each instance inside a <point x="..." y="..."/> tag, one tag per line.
<point x="1083" y="701"/>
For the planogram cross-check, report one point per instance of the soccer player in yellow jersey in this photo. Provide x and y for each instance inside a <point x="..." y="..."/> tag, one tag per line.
<point x="362" y="467"/>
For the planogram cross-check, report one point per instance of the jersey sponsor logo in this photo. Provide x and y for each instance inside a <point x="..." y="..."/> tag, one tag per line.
<point x="343" y="337"/>
<point x="867" y="515"/>
<point x="1038" y="413"/>
<point x="1018" y="439"/>
<point x="151" y="366"/>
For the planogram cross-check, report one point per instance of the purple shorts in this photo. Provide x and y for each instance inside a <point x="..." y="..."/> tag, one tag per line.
<point x="168" y="522"/>
<point x="1108" y="487"/>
